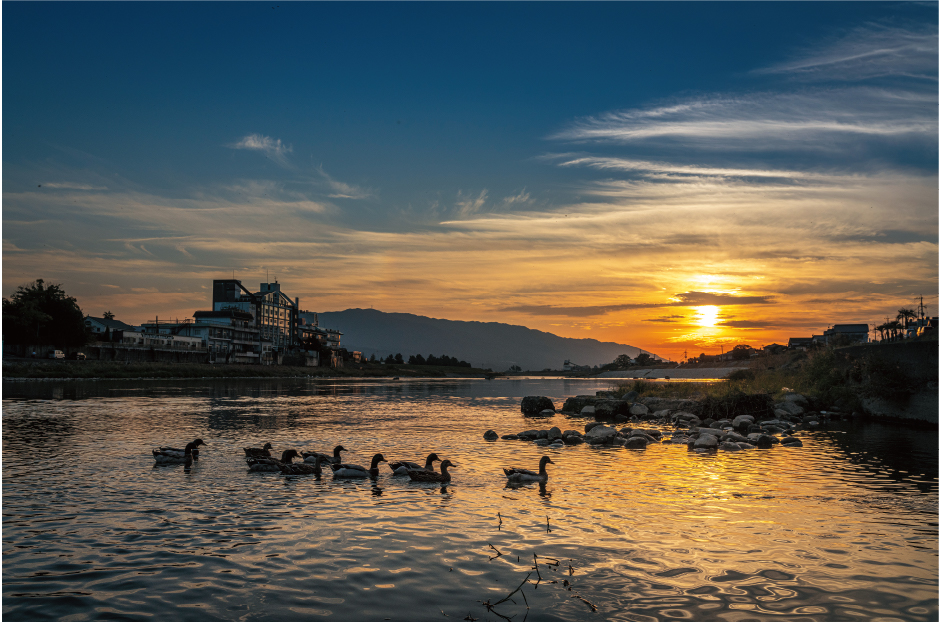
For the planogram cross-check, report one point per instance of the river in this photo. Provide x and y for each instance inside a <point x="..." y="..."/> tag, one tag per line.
<point x="843" y="528"/>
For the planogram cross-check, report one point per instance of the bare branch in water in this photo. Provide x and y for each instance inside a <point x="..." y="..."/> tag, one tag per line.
<point x="589" y="604"/>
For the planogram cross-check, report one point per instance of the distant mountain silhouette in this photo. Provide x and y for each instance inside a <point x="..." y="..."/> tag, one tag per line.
<point x="484" y="344"/>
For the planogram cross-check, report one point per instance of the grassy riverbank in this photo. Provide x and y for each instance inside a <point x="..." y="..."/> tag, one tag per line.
<point x="830" y="377"/>
<point x="120" y="370"/>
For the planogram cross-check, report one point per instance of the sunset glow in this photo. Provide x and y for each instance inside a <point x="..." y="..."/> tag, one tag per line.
<point x="803" y="192"/>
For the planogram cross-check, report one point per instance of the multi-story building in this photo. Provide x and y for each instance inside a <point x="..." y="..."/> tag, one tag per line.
<point x="274" y="314"/>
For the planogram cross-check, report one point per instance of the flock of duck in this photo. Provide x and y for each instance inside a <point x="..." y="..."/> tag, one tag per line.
<point x="261" y="460"/>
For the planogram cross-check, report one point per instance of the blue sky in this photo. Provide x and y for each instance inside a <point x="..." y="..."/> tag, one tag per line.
<point x="403" y="155"/>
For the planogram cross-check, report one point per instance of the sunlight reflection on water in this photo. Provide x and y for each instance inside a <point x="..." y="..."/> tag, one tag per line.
<point x="843" y="526"/>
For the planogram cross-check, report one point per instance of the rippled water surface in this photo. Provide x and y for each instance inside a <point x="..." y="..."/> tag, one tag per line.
<point x="843" y="528"/>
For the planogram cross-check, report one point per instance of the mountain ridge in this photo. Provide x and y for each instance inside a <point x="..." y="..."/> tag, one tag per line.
<point x="494" y="345"/>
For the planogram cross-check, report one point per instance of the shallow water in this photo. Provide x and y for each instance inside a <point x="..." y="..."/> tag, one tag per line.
<point x="843" y="528"/>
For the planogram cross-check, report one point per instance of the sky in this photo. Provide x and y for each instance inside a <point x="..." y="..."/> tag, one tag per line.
<point x="680" y="177"/>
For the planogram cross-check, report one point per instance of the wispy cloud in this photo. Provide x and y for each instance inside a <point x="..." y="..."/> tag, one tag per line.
<point x="274" y="150"/>
<point x="869" y="51"/>
<point x="468" y="206"/>
<point x="342" y="190"/>
<point x="71" y="186"/>
<point x="686" y="299"/>
<point x="768" y="121"/>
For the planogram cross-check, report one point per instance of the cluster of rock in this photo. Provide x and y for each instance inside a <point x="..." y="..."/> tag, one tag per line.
<point x="745" y="431"/>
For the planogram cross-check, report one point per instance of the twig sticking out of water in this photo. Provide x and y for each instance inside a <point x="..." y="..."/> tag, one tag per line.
<point x="570" y="570"/>
<point x="499" y="514"/>
<point x="489" y="605"/>
<point x="498" y="553"/>
<point x="589" y="604"/>
<point x="469" y="617"/>
<point x="548" y="528"/>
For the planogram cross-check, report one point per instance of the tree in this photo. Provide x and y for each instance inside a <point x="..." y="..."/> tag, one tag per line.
<point x="399" y="359"/>
<point x="108" y="315"/>
<point x="372" y="359"/>
<point x="644" y="359"/>
<point x="390" y="360"/>
<point x="621" y="361"/>
<point x="39" y="315"/>
<point x="515" y="368"/>
<point x="905" y="315"/>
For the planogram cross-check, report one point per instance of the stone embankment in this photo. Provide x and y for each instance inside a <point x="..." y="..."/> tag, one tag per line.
<point x="716" y="370"/>
<point x="691" y="423"/>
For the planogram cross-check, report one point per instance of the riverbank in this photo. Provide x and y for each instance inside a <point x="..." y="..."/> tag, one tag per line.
<point x="64" y="370"/>
<point x="882" y="381"/>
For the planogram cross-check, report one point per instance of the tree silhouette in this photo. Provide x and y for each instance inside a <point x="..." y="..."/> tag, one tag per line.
<point x="39" y="315"/>
<point x="108" y="315"/>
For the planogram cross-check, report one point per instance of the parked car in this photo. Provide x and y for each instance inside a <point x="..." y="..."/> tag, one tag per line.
<point x="57" y="354"/>
<point x="77" y="356"/>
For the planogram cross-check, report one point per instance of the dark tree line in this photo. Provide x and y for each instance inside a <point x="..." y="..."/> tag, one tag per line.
<point x="417" y="359"/>
<point x="41" y="315"/>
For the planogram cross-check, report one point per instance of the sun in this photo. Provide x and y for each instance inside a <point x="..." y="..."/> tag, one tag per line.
<point x="707" y="316"/>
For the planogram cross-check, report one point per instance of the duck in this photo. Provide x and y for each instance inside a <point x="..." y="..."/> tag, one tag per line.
<point x="302" y="468"/>
<point x="271" y="465"/>
<point x="310" y="456"/>
<point x="254" y="452"/>
<point x="402" y="468"/>
<point x="524" y="475"/>
<point x="172" y="455"/>
<point x="354" y="470"/>
<point x="420" y="475"/>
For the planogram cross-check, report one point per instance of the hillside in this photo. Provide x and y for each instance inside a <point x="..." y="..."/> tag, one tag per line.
<point x="484" y="344"/>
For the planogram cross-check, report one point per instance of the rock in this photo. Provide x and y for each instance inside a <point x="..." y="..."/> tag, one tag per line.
<point x="588" y="411"/>
<point x="735" y="438"/>
<point x="601" y="434"/>
<point x="729" y="446"/>
<point x="636" y="442"/>
<point x="746" y="446"/>
<point x="556" y="444"/>
<point x="686" y="417"/>
<point x="742" y="422"/>
<point x="661" y="403"/>
<point x="510" y="437"/>
<point x="796" y="443"/>
<point x="608" y="409"/>
<point x="632" y="396"/>
<point x="706" y="441"/>
<point x="639" y="410"/>
<point x="591" y="425"/>
<point x="572" y="440"/>
<point x="542" y="434"/>
<point x="722" y="423"/>
<point x="712" y="431"/>
<point x="754" y="437"/>
<point x="790" y="440"/>
<point x="534" y="404"/>
<point x="754" y="427"/>
<point x="554" y="433"/>
<point x="765" y="441"/>
<point x="707" y="423"/>
<point x="812" y="424"/>
<point x="542" y="442"/>
<point x="528" y="435"/>
<point x="576" y="404"/>
<point x="567" y="433"/>
<point x="779" y="412"/>
<point x="621" y="418"/>
<point x="547" y="412"/>
<point x="661" y="414"/>
<point x="797" y="399"/>
<point x="789" y="407"/>
<point x="490" y="435"/>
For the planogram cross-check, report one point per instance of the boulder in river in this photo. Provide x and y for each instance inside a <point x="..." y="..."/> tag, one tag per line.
<point x="592" y="425"/>
<point x="742" y="422"/>
<point x="588" y="411"/>
<point x="600" y="434"/>
<point x="490" y="435"/>
<point x="554" y="433"/>
<point x="510" y="437"/>
<point x="706" y="441"/>
<point x="639" y="410"/>
<point x="533" y="405"/>
<point x="729" y="446"/>
<point x="636" y="442"/>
